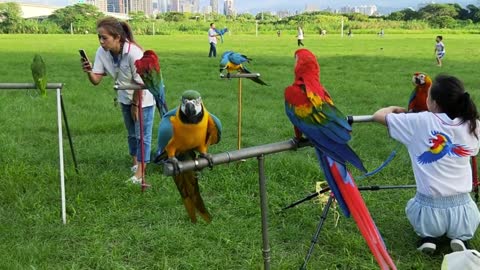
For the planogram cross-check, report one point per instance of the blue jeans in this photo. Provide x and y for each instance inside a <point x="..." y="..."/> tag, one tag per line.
<point x="133" y="129"/>
<point x="213" y="50"/>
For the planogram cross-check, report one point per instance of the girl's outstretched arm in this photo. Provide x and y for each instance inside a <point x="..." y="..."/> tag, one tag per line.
<point x="379" y="116"/>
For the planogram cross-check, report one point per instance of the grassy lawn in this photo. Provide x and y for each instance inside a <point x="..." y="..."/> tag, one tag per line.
<point x="113" y="225"/>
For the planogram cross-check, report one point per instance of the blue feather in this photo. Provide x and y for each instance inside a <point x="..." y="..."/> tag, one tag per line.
<point x="326" y="141"/>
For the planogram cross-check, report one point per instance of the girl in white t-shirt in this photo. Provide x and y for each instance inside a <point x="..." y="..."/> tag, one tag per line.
<point x="300" y="36"/>
<point x="440" y="143"/>
<point x="116" y="57"/>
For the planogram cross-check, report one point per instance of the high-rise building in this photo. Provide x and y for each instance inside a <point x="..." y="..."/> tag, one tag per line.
<point x="141" y="5"/>
<point x="162" y="6"/>
<point x="228" y="8"/>
<point x="116" y="6"/>
<point x="175" y="6"/>
<point x="214" y="5"/>
<point x="196" y="6"/>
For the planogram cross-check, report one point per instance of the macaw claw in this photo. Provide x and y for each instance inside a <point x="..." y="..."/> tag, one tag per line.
<point x="300" y="140"/>
<point x="174" y="162"/>
<point x="208" y="157"/>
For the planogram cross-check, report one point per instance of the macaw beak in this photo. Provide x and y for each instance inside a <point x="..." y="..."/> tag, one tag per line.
<point x="417" y="80"/>
<point x="189" y="109"/>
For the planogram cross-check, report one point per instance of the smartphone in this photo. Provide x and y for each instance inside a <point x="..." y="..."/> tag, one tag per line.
<point x="83" y="54"/>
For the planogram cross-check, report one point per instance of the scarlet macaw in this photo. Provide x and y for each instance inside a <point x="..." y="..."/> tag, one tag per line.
<point x="232" y="61"/>
<point x="148" y="68"/>
<point x="182" y="131"/>
<point x="418" y="98"/>
<point x="313" y="113"/>
<point x="442" y="145"/>
<point x="39" y="73"/>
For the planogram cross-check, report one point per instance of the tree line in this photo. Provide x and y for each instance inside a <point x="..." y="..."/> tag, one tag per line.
<point x="81" y="18"/>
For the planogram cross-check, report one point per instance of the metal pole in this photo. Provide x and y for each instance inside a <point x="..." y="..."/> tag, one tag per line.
<point x="323" y="217"/>
<point x="235" y="155"/>
<point x="68" y="133"/>
<point x="60" y="153"/>
<point x="239" y="117"/>
<point x="24" y="86"/>
<point x="264" y="210"/>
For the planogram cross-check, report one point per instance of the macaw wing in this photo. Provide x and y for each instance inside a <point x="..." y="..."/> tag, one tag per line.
<point x="221" y="31"/>
<point x="352" y="199"/>
<point x="460" y="151"/>
<point x="429" y="157"/>
<point x="244" y="69"/>
<point x="238" y="59"/>
<point x="411" y="99"/>
<point x="214" y="130"/>
<point x="323" y="138"/>
<point x="165" y="134"/>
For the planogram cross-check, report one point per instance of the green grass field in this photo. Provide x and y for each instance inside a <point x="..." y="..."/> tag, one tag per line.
<point x="113" y="225"/>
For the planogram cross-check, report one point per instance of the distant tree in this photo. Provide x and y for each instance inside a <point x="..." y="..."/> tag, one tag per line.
<point x="436" y="10"/>
<point x="266" y="16"/>
<point x="473" y="13"/>
<point x="356" y="17"/>
<point x="82" y="16"/>
<point x="174" y="17"/>
<point x="10" y="17"/>
<point x="138" y="16"/>
<point x="245" y="17"/>
<point x="403" y="15"/>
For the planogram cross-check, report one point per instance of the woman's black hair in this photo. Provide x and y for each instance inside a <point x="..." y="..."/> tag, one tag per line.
<point x="117" y="28"/>
<point x="450" y="95"/>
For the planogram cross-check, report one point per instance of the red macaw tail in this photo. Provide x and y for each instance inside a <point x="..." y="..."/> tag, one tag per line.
<point x="360" y="214"/>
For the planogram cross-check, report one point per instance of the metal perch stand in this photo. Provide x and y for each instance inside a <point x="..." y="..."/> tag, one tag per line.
<point x="60" y="108"/>
<point x="256" y="151"/>
<point x="239" y="109"/>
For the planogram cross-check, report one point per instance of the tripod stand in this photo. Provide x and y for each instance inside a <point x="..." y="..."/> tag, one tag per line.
<point x="325" y="210"/>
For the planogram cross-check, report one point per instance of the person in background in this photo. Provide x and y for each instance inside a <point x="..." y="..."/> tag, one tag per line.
<point x="116" y="56"/>
<point x="212" y="39"/>
<point x="439" y="50"/>
<point x="300" y="36"/>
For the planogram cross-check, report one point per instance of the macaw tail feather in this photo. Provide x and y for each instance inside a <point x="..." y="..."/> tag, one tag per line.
<point x="187" y="185"/>
<point x="161" y="100"/>
<point x="259" y="81"/>
<point x="352" y="199"/>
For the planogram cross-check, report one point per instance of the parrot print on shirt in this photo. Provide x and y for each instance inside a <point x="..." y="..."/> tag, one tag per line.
<point x="182" y="131"/>
<point x="441" y="145"/>
<point x="312" y="112"/>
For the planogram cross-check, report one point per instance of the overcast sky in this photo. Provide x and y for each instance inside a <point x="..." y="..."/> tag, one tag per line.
<point x="275" y="5"/>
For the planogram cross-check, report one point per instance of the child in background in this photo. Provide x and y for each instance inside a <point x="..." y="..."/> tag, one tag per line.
<point x="440" y="143"/>
<point x="439" y="50"/>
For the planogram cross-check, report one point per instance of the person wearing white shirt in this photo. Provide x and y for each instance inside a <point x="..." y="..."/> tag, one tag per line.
<point x="212" y="39"/>
<point x="116" y="57"/>
<point x="300" y="36"/>
<point x="440" y="143"/>
<point x="439" y="50"/>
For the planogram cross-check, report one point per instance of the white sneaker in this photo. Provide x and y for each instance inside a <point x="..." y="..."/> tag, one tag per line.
<point x="134" y="180"/>
<point x="134" y="168"/>
<point x="457" y="245"/>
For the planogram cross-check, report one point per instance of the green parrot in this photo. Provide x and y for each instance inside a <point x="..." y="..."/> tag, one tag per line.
<point x="39" y="73"/>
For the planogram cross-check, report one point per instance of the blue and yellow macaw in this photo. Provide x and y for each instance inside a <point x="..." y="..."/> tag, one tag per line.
<point x="313" y="113"/>
<point x="232" y="61"/>
<point x="221" y="32"/>
<point x="182" y="131"/>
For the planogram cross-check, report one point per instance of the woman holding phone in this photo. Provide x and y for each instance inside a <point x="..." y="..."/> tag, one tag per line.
<point x="116" y="57"/>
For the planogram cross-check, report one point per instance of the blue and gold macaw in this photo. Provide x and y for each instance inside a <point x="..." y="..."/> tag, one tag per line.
<point x="313" y="113"/>
<point x="182" y="131"/>
<point x="221" y="32"/>
<point x="232" y="61"/>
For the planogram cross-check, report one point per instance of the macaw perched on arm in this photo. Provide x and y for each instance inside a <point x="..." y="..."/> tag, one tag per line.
<point x="232" y="61"/>
<point x="418" y="98"/>
<point x="313" y="113"/>
<point x="39" y="73"/>
<point x="221" y="32"/>
<point x="148" y="68"/>
<point x="182" y="131"/>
